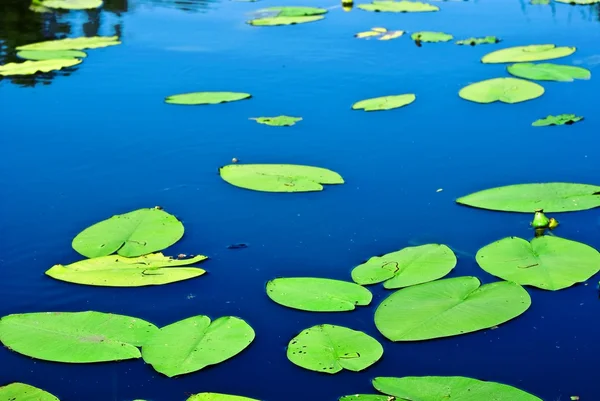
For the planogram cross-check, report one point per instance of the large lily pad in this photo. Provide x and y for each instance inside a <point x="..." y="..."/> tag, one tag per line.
<point x="449" y="307"/>
<point x="385" y="102"/>
<point x="73" y="43"/>
<point x="279" y="121"/>
<point x="118" y="271"/>
<point x="398" y="6"/>
<point x="409" y="266"/>
<point x="274" y="16"/>
<point x="317" y="294"/>
<point x="130" y="234"/>
<point x="561" y="119"/>
<point x="75" y="337"/>
<point x="38" y="55"/>
<point x="548" y="72"/>
<point x="478" y="41"/>
<point x="71" y="4"/>
<point x="438" y="388"/>
<point x="330" y="349"/>
<point x="24" y="392"/>
<point x="195" y="343"/>
<point x="33" y="67"/>
<point x="198" y="98"/>
<point x="520" y="54"/>
<point x="279" y="177"/>
<point x="431" y="37"/>
<point x="547" y="262"/>
<point x="218" y="397"/>
<point x="552" y="197"/>
<point x="505" y="90"/>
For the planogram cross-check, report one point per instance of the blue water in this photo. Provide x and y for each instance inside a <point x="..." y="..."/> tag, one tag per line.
<point x="79" y="146"/>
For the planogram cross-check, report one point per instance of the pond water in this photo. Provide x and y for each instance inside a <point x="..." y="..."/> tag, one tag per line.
<point x="80" y="145"/>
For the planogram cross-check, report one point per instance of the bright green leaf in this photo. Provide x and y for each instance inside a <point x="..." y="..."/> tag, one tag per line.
<point x="75" y="337"/>
<point x="73" y="43"/>
<point x="521" y="54"/>
<point x="449" y="307"/>
<point x="279" y="177"/>
<point x="478" y="41"/>
<point x="409" y="266"/>
<point x="71" y="4"/>
<point x="366" y="397"/>
<point x="552" y="197"/>
<point x="561" y="119"/>
<point x="431" y="37"/>
<point x="505" y="90"/>
<point x="136" y="233"/>
<point x="274" y="16"/>
<point x="277" y="21"/>
<point x="548" y="72"/>
<point x="330" y="349"/>
<point x="279" y="121"/>
<point x="539" y="2"/>
<point x="384" y="102"/>
<point x="317" y="294"/>
<point x="118" y="271"/>
<point x="197" y="98"/>
<point x="195" y="343"/>
<point x="24" y="392"/>
<point x="218" y="397"/>
<point x="547" y="262"/>
<point x="33" y="67"/>
<point x="398" y="6"/>
<point x="438" y="388"/>
<point x="38" y="55"/>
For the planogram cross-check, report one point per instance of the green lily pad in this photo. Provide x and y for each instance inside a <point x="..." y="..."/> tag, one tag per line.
<point x="539" y="2"/>
<point x="505" y="90"/>
<point x="71" y="4"/>
<point x="409" y="266"/>
<point x="434" y="388"/>
<point x="552" y="197"/>
<point x="366" y="397"/>
<point x="82" y="43"/>
<point x="547" y="262"/>
<point x="118" y="271"/>
<point x="330" y="349"/>
<point x="279" y="121"/>
<point x="39" y="55"/>
<point x="449" y="307"/>
<point x="218" y="396"/>
<point x="431" y="37"/>
<point x="197" y="98"/>
<point x="75" y="337"/>
<point x="277" y="21"/>
<point x="317" y="294"/>
<point x="398" y="6"/>
<point x="274" y="16"/>
<point x="579" y="2"/>
<point x="33" y="67"/>
<point x="136" y="233"/>
<point x="24" y="392"/>
<point x="478" y="41"/>
<point x="279" y="177"/>
<point x="561" y="119"/>
<point x="549" y="72"/>
<point x="385" y="102"/>
<point x="195" y="343"/>
<point x="520" y="54"/>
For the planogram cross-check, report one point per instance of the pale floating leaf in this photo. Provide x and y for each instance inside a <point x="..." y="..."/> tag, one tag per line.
<point x="274" y="16"/>
<point x="33" y="67"/>
<point x="39" y="55"/>
<point x="398" y="6"/>
<point x="81" y="43"/>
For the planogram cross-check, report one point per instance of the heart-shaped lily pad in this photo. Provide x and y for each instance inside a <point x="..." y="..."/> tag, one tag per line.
<point x="505" y="90"/>
<point x="431" y="37"/>
<point x="398" y="6"/>
<point x="520" y="54"/>
<point x="33" y="67"/>
<point x="81" y="43"/>
<point x="24" y="392"/>
<point x="561" y="119"/>
<point x="385" y="102"/>
<point x="279" y="121"/>
<point x="478" y="41"/>
<point x="548" y="72"/>
<point x="198" y="98"/>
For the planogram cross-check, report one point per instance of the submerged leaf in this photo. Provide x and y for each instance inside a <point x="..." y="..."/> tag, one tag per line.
<point x="548" y="72"/>
<point x="218" y="397"/>
<point x="505" y="90"/>
<point x="74" y="43"/>
<point x="118" y="271"/>
<point x="521" y="54"/>
<point x="24" y="392"/>
<point x="279" y="177"/>
<point x="449" y="307"/>
<point x="50" y="54"/>
<point x="385" y="102"/>
<point x="330" y="349"/>
<point x="561" y="119"/>
<point x="547" y="262"/>
<point x="130" y="234"/>
<point x="478" y="41"/>
<point x="75" y="337"/>
<point x="33" y="67"/>
<point x="197" y="98"/>
<point x="317" y="294"/>
<point x="431" y="37"/>
<point x="552" y="197"/>
<point x="409" y="266"/>
<point x="195" y="343"/>
<point x="279" y="121"/>
<point x="398" y="6"/>
<point x="71" y="4"/>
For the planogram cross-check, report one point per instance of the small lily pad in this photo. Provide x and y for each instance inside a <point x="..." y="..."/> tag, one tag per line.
<point x="274" y="16"/>
<point x="71" y="4"/>
<point x="385" y="102"/>
<point x="398" y="6"/>
<point x="33" y="67"/>
<point x="520" y="54"/>
<point x="539" y="2"/>
<point x="198" y="98"/>
<point x="561" y="119"/>
<point x="579" y="2"/>
<point x="505" y="90"/>
<point x="330" y="349"/>
<point x="317" y="294"/>
<point x="379" y="34"/>
<point x="279" y="177"/>
<point x="38" y="55"/>
<point x="547" y="262"/>
<point x="548" y="72"/>
<point x="81" y="43"/>
<point x="24" y="392"/>
<point x="409" y="266"/>
<point x="218" y="396"/>
<point x="431" y="37"/>
<point x="478" y="41"/>
<point x="279" y="121"/>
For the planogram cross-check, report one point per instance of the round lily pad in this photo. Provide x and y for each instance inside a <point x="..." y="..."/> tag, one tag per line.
<point x="279" y="121"/>
<point x="198" y="98"/>
<point x="73" y="43"/>
<point x="317" y="294"/>
<point x="24" y="392"/>
<point x="561" y="119"/>
<point x="431" y="37"/>
<point x="548" y="72"/>
<point x="505" y="90"/>
<point x="330" y="349"/>
<point x="33" y="67"/>
<point x="398" y="6"/>
<point x="547" y="262"/>
<point x="384" y="102"/>
<point x="449" y="307"/>
<point x="520" y="54"/>
<point x="50" y="54"/>
<point x="71" y="4"/>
